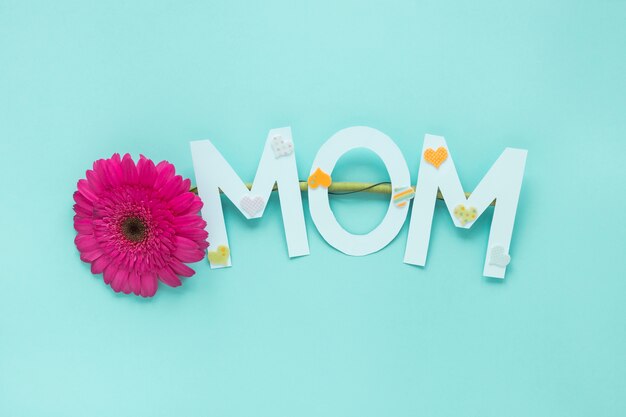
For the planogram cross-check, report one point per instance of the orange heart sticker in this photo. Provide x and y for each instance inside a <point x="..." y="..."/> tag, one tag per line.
<point x="436" y="157"/>
<point x="319" y="178"/>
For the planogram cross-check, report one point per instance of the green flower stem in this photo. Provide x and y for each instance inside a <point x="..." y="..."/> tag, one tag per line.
<point x="339" y="188"/>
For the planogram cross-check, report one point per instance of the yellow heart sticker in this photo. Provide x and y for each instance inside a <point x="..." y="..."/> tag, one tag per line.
<point x="465" y="215"/>
<point x="219" y="256"/>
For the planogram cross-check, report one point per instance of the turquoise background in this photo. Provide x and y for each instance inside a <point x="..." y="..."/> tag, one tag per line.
<point x="327" y="334"/>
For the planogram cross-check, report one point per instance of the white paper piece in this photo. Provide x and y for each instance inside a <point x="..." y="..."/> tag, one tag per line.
<point x="503" y="182"/>
<point x="319" y="205"/>
<point x="213" y="173"/>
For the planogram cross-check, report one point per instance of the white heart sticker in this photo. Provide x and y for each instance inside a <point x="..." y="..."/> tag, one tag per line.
<point x="499" y="257"/>
<point x="252" y="205"/>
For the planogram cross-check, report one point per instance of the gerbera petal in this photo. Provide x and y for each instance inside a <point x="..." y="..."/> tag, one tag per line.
<point x="110" y="273"/>
<point x="149" y="284"/>
<point x="195" y="207"/>
<point x="193" y="233"/>
<point x="135" y="282"/>
<point x="82" y="212"/>
<point x="126" y="288"/>
<point x="82" y="201"/>
<point x="116" y="277"/>
<point x="86" y="243"/>
<point x="147" y="171"/>
<point x="94" y="182"/>
<point x="189" y="220"/>
<point x="171" y="188"/>
<point x="83" y="226"/>
<point x="129" y="170"/>
<point x="187" y="250"/>
<point x="182" y="202"/>
<point x="90" y="256"/>
<point x="101" y="172"/>
<point x="165" y="171"/>
<point x="99" y="265"/>
<point x="168" y="277"/>
<point x="85" y="190"/>
<point x="185" y="186"/>
<point x="181" y="269"/>
<point x="113" y="169"/>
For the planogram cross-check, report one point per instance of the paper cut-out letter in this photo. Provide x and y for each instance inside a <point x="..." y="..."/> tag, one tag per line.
<point x="213" y="173"/>
<point x="503" y="183"/>
<point x="319" y="206"/>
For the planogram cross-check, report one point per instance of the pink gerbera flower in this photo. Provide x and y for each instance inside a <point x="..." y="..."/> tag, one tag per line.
<point x="138" y="224"/>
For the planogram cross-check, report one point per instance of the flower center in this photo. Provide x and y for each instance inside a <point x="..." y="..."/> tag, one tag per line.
<point x="134" y="229"/>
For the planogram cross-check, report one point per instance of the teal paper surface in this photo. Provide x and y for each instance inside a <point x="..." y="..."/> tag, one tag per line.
<point x="326" y="334"/>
